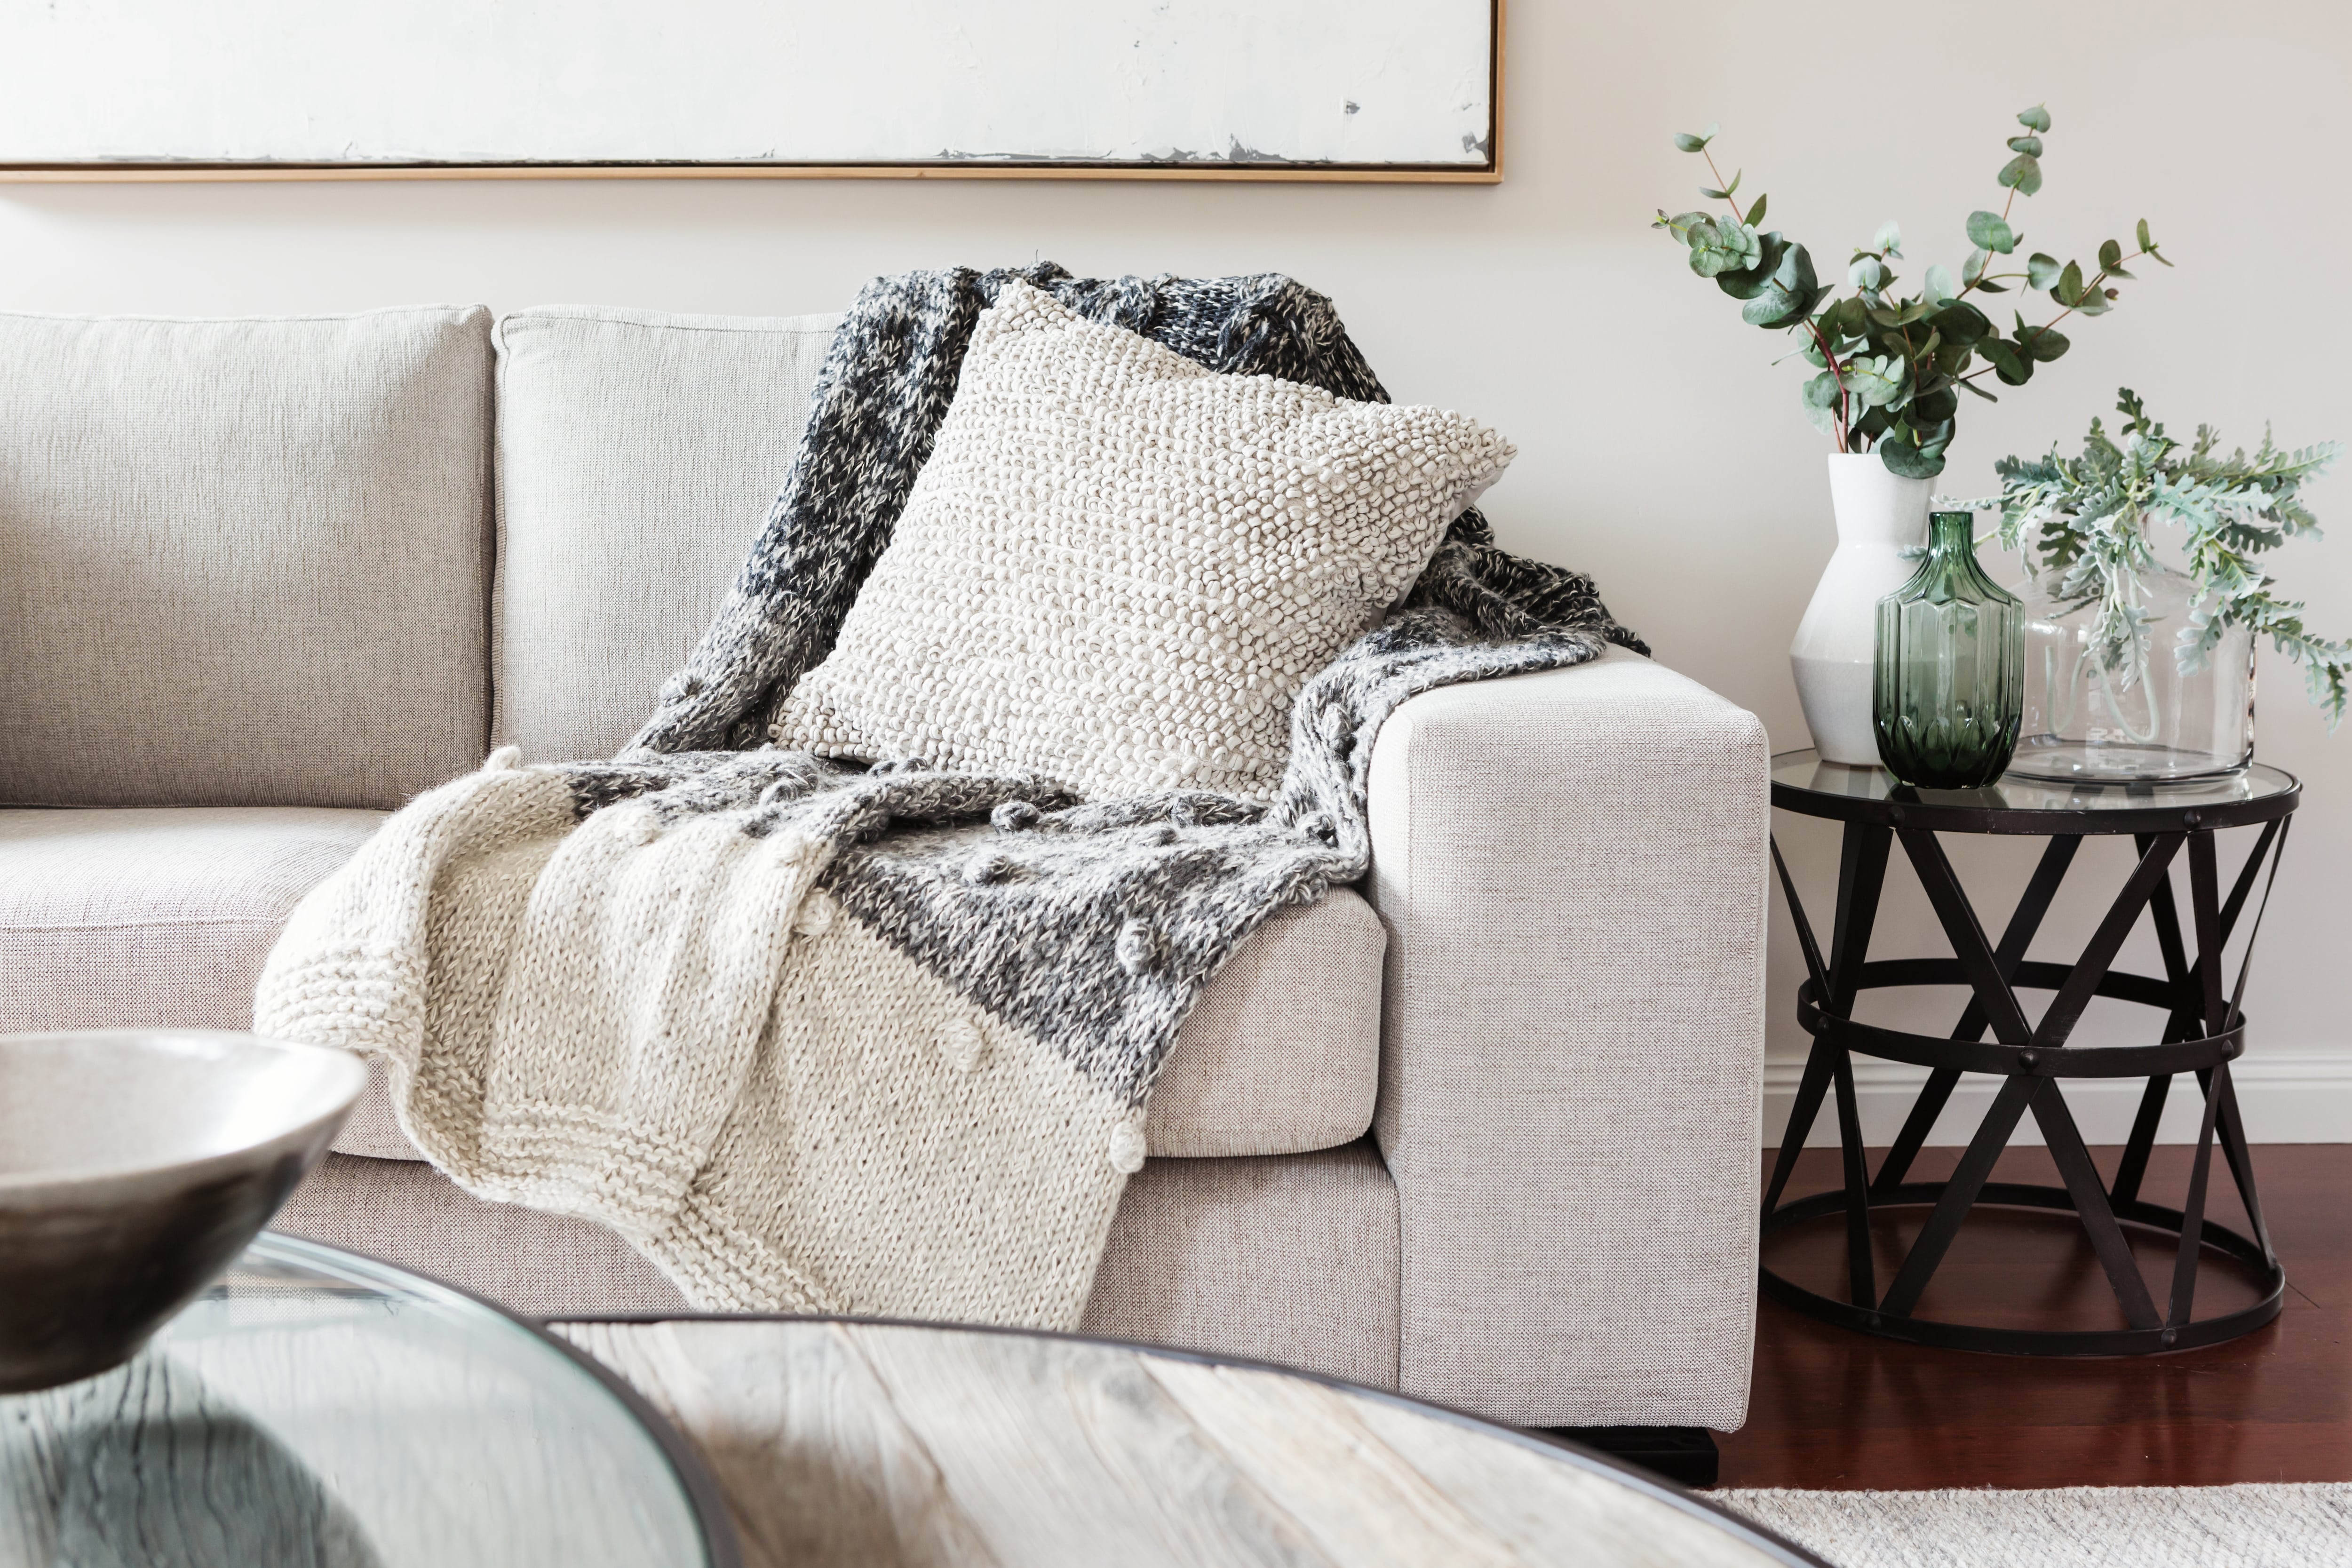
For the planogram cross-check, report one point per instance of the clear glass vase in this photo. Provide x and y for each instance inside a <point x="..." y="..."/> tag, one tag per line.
<point x="1948" y="688"/>
<point x="2126" y="713"/>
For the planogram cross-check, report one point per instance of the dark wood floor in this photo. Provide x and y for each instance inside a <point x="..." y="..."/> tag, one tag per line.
<point x="1832" y="1408"/>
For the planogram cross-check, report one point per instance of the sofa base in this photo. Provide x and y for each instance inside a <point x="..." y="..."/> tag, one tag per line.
<point x="1288" y="1258"/>
<point x="1684" y="1455"/>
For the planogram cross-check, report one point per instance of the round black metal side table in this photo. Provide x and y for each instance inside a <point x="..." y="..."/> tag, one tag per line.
<point x="2204" y="1032"/>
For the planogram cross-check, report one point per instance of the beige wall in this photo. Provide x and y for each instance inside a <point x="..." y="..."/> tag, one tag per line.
<point x="1659" y="449"/>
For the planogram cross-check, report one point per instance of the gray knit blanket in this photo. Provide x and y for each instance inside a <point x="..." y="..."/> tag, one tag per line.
<point x="864" y="1039"/>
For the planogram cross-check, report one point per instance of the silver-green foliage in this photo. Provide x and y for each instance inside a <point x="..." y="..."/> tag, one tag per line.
<point x="1892" y="367"/>
<point x="2087" y="520"/>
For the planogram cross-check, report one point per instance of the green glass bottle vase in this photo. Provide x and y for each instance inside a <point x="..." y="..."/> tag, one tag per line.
<point x="1949" y="687"/>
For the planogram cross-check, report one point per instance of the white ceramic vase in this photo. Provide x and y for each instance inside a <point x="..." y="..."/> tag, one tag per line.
<point x="1882" y="525"/>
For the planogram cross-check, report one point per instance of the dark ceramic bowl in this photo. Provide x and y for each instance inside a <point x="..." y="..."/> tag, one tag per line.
<point x="134" y="1166"/>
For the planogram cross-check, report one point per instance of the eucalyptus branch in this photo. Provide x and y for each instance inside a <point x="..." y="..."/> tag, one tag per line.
<point x="1882" y="386"/>
<point x="1718" y="180"/>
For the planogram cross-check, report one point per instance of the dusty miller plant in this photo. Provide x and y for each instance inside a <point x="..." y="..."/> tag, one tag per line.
<point x="2086" y="522"/>
<point x="1892" y="366"/>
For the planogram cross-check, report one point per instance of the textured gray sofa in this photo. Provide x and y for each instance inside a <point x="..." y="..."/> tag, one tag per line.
<point x="1485" y="1131"/>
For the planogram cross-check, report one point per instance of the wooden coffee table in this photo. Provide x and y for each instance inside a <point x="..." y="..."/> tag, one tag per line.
<point x="866" y="1443"/>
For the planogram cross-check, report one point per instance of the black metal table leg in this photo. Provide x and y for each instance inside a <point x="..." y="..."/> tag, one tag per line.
<point x="2023" y="923"/>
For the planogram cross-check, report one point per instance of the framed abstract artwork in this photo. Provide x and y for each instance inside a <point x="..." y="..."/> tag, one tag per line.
<point x="231" y="89"/>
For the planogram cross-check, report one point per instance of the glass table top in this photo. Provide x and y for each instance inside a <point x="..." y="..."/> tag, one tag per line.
<point x="316" y="1407"/>
<point x="1840" y="789"/>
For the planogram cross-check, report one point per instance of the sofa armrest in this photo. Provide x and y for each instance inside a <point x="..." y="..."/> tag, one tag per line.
<point x="1572" y="867"/>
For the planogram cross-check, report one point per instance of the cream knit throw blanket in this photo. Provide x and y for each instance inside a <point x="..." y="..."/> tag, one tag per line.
<point x="872" y="1041"/>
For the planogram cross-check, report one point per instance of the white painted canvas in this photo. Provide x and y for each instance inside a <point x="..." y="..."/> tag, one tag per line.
<point x="1344" y="83"/>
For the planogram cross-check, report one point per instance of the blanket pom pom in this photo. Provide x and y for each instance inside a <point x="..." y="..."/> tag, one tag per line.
<point x="815" y="917"/>
<point x="1014" y="815"/>
<point x="963" y="1045"/>
<point x="505" y="760"/>
<point x="1127" y="1148"/>
<point x="794" y="850"/>
<point x="1138" y="947"/>
<point x="987" y="865"/>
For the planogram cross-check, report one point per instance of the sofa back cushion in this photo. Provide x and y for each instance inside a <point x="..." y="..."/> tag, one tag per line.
<point x="243" y="563"/>
<point x="638" y="455"/>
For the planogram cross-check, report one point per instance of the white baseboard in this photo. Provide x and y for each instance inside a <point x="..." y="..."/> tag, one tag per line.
<point x="2302" y="1099"/>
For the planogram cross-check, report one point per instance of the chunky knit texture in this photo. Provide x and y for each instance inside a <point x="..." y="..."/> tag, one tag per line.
<point x="880" y="1040"/>
<point x="1119" y="567"/>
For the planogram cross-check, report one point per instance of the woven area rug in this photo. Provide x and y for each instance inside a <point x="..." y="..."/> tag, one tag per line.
<point x="2307" y="1526"/>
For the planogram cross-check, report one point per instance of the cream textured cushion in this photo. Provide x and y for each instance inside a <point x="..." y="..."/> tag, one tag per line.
<point x="243" y="563"/>
<point x="1118" y="567"/>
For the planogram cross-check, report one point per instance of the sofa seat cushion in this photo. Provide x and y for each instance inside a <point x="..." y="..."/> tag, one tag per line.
<point x="243" y="563"/>
<point x="154" y="917"/>
<point x="1281" y="1054"/>
<point x="160" y="916"/>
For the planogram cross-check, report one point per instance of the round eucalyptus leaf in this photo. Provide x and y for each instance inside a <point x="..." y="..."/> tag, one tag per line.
<point x="1989" y="231"/>
<point x="2021" y="174"/>
<point x="1723" y="244"/>
<point x="1961" y="321"/>
<point x="1936" y="407"/>
<point x="1820" y="398"/>
<point x="1749" y="282"/>
<point x="1791" y="294"/>
<point x="2006" y="361"/>
<point x="2046" y="344"/>
<point x="1878" y="381"/>
<point x="1904" y="459"/>
<point x="2035" y="119"/>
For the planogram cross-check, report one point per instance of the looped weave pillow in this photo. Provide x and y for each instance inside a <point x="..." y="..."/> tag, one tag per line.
<point x="1119" y="567"/>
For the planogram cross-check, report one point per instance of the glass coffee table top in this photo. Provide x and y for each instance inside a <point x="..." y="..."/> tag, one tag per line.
<point x="316" y="1407"/>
